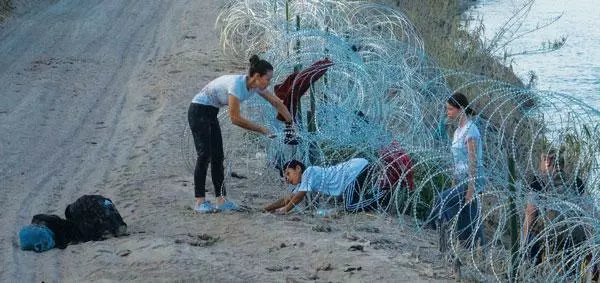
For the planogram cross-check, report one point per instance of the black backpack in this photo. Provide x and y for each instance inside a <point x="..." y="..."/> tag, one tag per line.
<point x="65" y="231"/>
<point x="94" y="215"/>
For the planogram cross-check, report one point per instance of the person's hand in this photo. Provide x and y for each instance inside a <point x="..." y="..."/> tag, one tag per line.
<point x="290" y="125"/>
<point x="280" y="211"/>
<point x="265" y="131"/>
<point x="290" y="128"/>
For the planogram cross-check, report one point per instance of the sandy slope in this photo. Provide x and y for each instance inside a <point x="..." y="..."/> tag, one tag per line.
<point x="94" y="100"/>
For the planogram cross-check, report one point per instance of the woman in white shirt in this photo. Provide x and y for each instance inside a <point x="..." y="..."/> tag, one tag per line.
<point x="227" y="90"/>
<point x="468" y="177"/>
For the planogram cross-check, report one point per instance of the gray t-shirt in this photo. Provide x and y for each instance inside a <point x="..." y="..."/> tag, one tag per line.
<point x="216" y="93"/>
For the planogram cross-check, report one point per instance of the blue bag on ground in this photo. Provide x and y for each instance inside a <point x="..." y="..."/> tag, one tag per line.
<point x="36" y="237"/>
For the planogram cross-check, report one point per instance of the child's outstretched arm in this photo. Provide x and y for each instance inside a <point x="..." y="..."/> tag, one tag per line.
<point x="277" y="204"/>
<point x="296" y="198"/>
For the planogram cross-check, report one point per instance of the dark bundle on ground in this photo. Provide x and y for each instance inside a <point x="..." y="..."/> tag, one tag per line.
<point x="65" y="231"/>
<point x="94" y="215"/>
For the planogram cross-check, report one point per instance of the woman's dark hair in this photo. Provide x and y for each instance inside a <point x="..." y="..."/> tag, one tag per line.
<point x="258" y="65"/>
<point x="460" y="101"/>
<point x="293" y="164"/>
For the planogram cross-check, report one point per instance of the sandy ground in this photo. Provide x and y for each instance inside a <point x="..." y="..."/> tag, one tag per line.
<point x="94" y="100"/>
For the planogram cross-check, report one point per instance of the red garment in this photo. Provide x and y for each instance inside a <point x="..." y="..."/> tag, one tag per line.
<point x="296" y="84"/>
<point x="397" y="163"/>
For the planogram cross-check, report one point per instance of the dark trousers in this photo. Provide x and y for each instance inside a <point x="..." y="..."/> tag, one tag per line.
<point x="209" y="148"/>
<point x="450" y="204"/>
<point x="361" y="195"/>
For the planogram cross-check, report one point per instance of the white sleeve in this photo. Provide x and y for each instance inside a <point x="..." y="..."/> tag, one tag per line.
<point x="305" y="185"/>
<point x="473" y="133"/>
<point x="235" y="90"/>
<point x="238" y="89"/>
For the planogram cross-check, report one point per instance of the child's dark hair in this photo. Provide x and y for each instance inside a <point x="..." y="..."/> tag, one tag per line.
<point x="460" y="101"/>
<point x="293" y="164"/>
<point x="258" y="65"/>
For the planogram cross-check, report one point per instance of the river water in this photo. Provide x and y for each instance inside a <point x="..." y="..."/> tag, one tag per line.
<point x="574" y="69"/>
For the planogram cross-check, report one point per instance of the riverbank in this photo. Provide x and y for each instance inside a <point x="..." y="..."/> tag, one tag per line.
<point x="94" y="102"/>
<point x="452" y="47"/>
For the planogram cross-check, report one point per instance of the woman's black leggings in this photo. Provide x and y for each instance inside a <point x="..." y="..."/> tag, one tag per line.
<point x="209" y="148"/>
